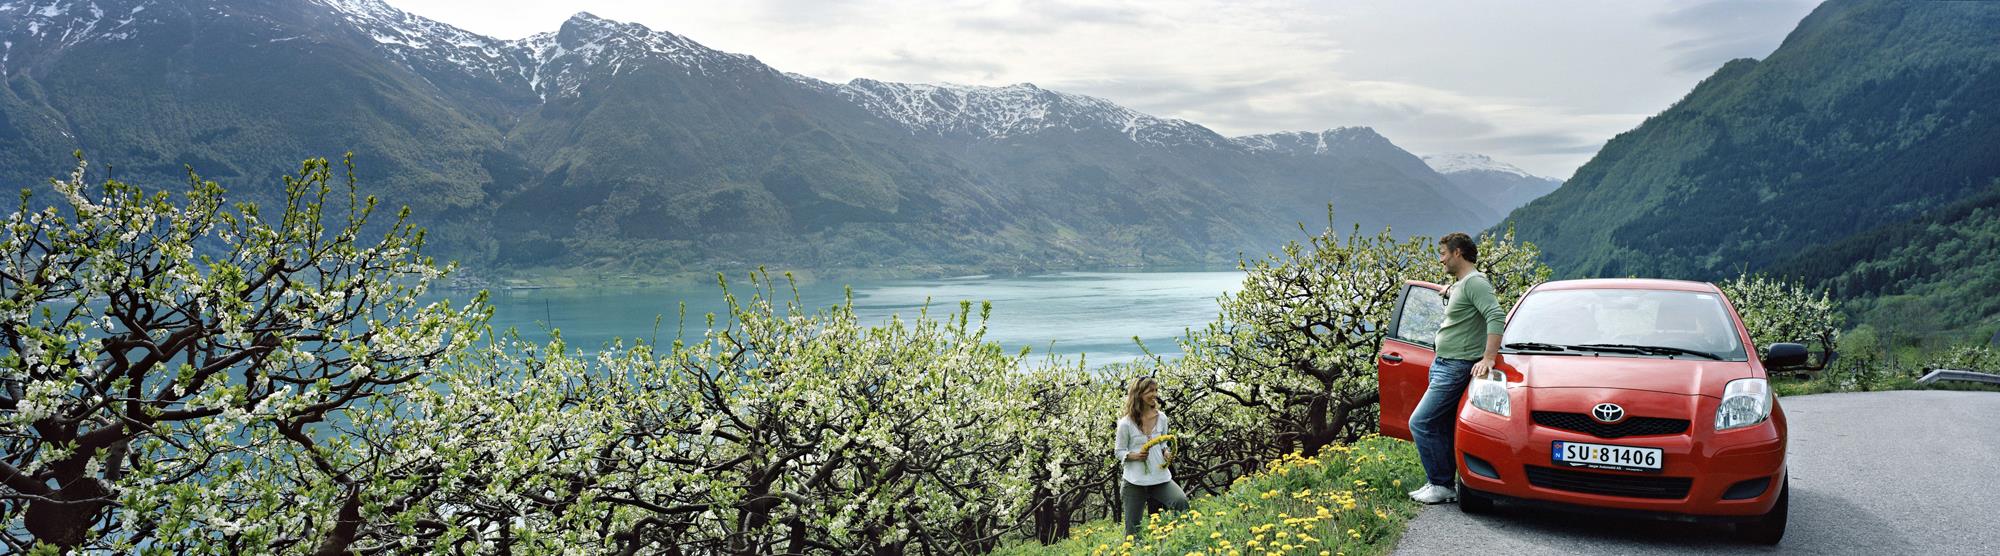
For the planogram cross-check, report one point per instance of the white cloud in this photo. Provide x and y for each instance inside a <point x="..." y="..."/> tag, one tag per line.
<point x="1540" y="85"/>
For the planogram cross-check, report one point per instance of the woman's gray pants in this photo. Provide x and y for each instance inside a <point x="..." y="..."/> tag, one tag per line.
<point x="1140" y="500"/>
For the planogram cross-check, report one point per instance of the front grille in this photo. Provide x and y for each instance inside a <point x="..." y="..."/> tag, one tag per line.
<point x="1631" y="486"/>
<point x="1634" y="426"/>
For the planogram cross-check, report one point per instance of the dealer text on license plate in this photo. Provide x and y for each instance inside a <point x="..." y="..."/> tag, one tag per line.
<point x="1605" y="456"/>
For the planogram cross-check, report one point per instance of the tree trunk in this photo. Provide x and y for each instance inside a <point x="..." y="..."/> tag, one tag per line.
<point x="64" y="519"/>
<point x="347" y="523"/>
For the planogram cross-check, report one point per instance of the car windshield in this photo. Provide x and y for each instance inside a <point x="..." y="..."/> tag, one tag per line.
<point x="1625" y="322"/>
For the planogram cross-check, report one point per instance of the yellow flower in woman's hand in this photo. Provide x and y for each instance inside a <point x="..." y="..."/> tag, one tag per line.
<point x="1149" y="446"/>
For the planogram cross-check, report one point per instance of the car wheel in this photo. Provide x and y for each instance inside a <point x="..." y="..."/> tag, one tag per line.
<point x="1770" y="528"/>
<point x="1472" y="501"/>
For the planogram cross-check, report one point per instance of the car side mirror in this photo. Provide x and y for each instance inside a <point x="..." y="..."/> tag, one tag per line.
<point x="1785" y="354"/>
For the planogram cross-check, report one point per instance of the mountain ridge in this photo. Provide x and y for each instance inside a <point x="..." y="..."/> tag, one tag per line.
<point x="610" y="144"/>
<point x="1499" y="186"/>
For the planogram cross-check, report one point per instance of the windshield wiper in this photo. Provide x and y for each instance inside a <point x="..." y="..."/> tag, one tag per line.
<point x="1655" y="350"/>
<point x="1609" y="348"/>
<point x="1535" y="346"/>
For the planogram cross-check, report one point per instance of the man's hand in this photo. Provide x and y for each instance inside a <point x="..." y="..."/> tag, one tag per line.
<point x="1490" y="358"/>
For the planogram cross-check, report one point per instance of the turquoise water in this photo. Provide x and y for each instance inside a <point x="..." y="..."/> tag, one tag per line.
<point x="1067" y="313"/>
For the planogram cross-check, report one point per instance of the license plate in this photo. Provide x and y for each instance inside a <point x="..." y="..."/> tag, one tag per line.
<point x="1605" y="456"/>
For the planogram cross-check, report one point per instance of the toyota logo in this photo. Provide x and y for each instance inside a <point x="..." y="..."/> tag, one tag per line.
<point x="1607" y="413"/>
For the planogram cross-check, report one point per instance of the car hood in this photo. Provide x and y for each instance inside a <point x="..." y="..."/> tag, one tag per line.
<point x="1654" y="374"/>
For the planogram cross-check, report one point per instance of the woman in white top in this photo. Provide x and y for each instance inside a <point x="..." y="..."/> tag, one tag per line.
<point x="1146" y="480"/>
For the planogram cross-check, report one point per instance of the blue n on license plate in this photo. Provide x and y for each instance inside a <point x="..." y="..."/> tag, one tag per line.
<point x="1606" y="456"/>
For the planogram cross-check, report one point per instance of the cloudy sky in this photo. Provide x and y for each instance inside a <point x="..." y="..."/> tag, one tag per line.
<point x="1539" y="84"/>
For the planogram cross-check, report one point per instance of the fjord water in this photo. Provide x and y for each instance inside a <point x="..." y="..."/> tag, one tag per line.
<point x="1095" y="314"/>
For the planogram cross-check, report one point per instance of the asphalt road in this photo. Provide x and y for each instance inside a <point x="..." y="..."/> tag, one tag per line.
<point x="1904" y="472"/>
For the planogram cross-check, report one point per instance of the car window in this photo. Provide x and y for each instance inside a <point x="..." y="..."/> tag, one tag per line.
<point x="1678" y="319"/>
<point x="1423" y="311"/>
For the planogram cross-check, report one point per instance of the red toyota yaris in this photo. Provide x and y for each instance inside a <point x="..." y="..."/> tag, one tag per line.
<point x="1640" y="397"/>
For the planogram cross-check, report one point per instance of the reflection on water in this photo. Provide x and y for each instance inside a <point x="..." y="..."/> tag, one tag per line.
<point x="1094" y="313"/>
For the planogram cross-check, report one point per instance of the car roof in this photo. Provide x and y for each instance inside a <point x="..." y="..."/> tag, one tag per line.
<point x="1628" y="284"/>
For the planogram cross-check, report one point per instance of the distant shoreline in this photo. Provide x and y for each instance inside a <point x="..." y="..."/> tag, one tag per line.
<point x="564" y="278"/>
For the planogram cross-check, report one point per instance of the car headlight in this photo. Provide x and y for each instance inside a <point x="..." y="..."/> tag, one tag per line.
<point x="1745" y="402"/>
<point x="1490" y="393"/>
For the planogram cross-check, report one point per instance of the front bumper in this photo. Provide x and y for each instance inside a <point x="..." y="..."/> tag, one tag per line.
<point x="1708" y="463"/>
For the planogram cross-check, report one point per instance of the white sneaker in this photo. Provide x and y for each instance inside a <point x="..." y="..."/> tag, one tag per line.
<point x="1433" y="494"/>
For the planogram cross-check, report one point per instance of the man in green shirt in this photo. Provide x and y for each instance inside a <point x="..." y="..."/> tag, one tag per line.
<point x="1468" y="345"/>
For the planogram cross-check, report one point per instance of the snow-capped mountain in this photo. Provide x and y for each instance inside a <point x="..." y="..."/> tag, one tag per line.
<point x="434" y="45"/>
<point x="1500" y="186"/>
<point x="1452" y="163"/>
<point x="603" y="140"/>
<point x="1019" y="109"/>
<point x="550" y="63"/>
<point x="557" y="63"/>
<point x="67" y="23"/>
<point x="1299" y="143"/>
<point x="33" y="26"/>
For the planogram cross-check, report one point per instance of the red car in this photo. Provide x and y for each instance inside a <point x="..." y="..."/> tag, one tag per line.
<point x="1632" y="396"/>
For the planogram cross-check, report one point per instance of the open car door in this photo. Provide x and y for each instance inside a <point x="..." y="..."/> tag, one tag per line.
<point x="1402" y="368"/>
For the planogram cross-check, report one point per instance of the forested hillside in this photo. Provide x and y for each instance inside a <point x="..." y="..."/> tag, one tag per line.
<point x="1937" y="274"/>
<point x="1871" y="113"/>
<point x="1859" y="155"/>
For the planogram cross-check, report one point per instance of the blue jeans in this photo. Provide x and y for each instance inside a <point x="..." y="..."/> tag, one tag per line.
<point x="1435" y="420"/>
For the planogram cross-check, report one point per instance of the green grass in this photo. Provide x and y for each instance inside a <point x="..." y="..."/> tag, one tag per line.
<point x="1347" y="500"/>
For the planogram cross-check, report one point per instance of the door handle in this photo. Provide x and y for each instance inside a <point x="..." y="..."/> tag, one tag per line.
<point x="1392" y="358"/>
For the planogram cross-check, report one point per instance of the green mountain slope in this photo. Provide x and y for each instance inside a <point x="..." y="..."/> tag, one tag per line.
<point x="1932" y="276"/>
<point x="1870" y="113"/>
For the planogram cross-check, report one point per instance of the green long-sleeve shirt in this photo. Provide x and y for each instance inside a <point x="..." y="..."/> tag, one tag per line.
<point x="1471" y="314"/>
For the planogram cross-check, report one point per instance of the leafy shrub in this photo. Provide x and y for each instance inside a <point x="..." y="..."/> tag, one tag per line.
<point x="1779" y="311"/>
<point x="1293" y="353"/>
<point x="181" y="372"/>
<point x="1967" y="357"/>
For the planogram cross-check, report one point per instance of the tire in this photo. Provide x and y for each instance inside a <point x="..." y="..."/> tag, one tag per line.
<point x="1770" y="528"/>
<point x="1472" y="501"/>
